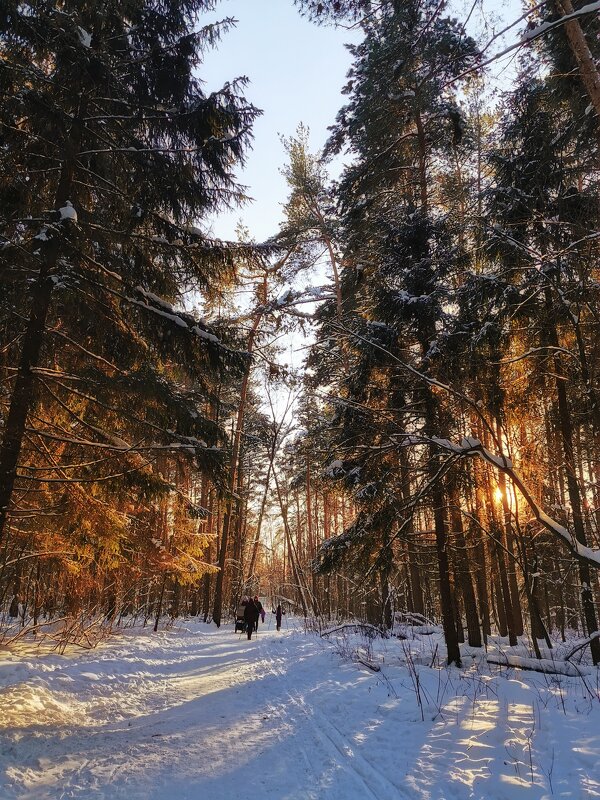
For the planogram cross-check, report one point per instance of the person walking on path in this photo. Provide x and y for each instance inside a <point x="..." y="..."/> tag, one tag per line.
<point x="278" y="614"/>
<point x="251" y="617"/>
<point x="259" y="610"/>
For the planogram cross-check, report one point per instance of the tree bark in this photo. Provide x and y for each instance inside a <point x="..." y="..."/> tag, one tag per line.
<point x="233" y="470"/>
<point x="291" y="549"/>
<point x="464" y="573"/>
<point x="23" y="393"/>
<point x="566" y="435"/>
<point x="581" y="52"/>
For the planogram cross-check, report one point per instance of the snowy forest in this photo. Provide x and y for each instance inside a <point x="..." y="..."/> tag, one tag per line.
<point x="428" y="462"/>
<point x="442" y="455"/>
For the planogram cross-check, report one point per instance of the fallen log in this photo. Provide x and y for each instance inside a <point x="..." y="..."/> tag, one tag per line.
<point x="370" y="664"/>
<point x="546" y="665"/>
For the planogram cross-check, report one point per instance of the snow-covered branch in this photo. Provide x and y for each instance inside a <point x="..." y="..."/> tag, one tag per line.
<point x="470" y="446"/>
<point x="529" y="36"/>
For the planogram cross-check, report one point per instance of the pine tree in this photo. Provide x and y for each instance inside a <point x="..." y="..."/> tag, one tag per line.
<point x="400" y="124"/>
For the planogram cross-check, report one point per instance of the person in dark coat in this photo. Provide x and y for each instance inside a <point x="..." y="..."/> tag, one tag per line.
<point x="278" y="613"/>
<point x="250" y="617"/>
<point x="259" y="610"/>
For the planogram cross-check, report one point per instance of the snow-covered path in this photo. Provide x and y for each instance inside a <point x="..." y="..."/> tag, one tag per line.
<point x="204" y="714"/>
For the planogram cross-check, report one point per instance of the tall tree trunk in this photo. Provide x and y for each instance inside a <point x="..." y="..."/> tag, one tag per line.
<point x="508" y="539"/>
<point x="422" y="152"/>
<point x="464" y="571"/>
<point x="446" y="599"/>
<point x="238" y="513"/>
<point x="503" y="594"/>
<point x="581" y="51"/>
<point x="416" y="590"/>
<point x="566" y="435"/>
<point x="23" y="392"/>
<point x="477" y="533"/>
<point x="291" y="549"/>
<point x="22" y="396"/>
<point x="441" y="536"/>
<point x="159" y="605"/>
<point x="259" y="522"/>
<point x="233" y="471"/>
<point x="386" y="615"/>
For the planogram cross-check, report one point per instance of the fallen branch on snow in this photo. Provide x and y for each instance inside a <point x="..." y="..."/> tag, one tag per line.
<point x="363" y="627"/>
<point x="589" y="640"/>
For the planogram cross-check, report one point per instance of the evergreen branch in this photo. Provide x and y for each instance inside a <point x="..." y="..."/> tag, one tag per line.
<point x="87" y="352"/>
<point x="528" y="37"/>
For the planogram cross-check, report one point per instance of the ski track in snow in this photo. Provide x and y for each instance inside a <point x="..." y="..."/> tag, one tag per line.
<point x="205" y="714"/>
<point x="333" y="744"/>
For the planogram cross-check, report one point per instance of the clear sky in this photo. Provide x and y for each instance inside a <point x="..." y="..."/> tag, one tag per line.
<point x="296" y="72"/>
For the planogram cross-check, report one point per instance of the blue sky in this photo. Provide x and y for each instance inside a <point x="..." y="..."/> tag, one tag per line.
<point x="296" y="72"/>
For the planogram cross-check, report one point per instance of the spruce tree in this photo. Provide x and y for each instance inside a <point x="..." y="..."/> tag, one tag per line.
<point x="111" y="156"/>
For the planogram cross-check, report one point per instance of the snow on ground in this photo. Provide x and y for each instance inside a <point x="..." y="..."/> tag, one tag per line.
<point x="203" y="714"/>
